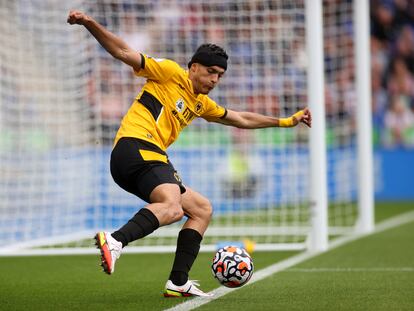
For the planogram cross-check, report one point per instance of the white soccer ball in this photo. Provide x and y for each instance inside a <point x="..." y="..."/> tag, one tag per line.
<point x="232" y="266"/>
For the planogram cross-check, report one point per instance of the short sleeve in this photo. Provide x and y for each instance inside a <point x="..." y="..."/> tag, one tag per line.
<point x="212" y="110"/>
<point x="157" y="69"/>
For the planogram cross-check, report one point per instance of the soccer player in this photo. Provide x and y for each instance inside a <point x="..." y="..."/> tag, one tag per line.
<point x="169" y="101"/>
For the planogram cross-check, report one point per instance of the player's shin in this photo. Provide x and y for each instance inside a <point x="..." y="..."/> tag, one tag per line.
<point x="188" y="246"/>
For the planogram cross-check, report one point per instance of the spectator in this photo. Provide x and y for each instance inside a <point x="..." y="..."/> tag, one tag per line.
<point x="399" y="124"/>
<point x="392" y="50"/>
<point x="382" y="21"/>
<point x="400" y="80"/>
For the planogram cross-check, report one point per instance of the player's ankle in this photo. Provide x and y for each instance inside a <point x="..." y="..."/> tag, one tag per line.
<point x="178" y="278"/>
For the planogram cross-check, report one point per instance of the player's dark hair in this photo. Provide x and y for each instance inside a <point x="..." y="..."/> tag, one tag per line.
<point x="209" y="54"/>
<point x="213" y="49"/>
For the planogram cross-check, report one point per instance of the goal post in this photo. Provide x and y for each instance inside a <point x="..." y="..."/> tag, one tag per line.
<point x="62" y="98"/>
<point x="318" y="237"/>
<point x="365" y="222"/>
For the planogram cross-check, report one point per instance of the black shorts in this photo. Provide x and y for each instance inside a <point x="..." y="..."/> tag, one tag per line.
<point x="138" y="167"/>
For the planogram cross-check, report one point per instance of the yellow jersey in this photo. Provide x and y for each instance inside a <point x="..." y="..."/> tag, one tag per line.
<point x="165" y="105"/>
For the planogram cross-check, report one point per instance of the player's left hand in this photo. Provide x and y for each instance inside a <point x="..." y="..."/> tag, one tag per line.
<point x="305" y="117"/>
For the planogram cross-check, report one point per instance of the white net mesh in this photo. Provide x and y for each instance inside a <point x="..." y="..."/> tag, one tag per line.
<point x="45" y="123"/>
<point x="340" y="97"/>
<point x="62" y="98"/>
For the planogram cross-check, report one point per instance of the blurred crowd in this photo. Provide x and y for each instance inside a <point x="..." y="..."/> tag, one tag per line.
<point x="392" y="57"/>
<point x="266" y="44"/>
<point x="264" y="39"/>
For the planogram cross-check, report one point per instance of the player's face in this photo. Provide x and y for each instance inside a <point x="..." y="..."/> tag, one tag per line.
<point x="205" y="78"/>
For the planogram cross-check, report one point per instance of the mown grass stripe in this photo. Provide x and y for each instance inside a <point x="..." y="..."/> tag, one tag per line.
<point x="393" y="222"/>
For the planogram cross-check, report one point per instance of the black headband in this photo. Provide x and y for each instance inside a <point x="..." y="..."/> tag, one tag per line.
<point x="209" y="59"/>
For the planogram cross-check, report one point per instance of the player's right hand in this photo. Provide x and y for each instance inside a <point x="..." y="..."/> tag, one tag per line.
<point x="305" y="117"/>
<point x="77" y="17"/>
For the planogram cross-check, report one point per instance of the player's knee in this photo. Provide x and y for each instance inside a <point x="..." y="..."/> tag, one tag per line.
<point x="175" y="211"/>
<point x="206" y="210"/>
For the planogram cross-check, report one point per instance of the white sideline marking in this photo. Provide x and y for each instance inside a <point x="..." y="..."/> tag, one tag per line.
<point x="379" y="269"/>
<point x="285" y="264"/>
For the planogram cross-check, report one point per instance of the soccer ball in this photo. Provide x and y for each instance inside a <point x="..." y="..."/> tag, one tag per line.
<point x="232" y="266"/>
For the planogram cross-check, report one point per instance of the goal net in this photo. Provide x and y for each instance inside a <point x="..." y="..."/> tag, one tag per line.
<point x="62" y="97"/>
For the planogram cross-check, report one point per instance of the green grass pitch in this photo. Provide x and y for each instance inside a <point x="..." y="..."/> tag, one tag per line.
<point x="373" y="273"/>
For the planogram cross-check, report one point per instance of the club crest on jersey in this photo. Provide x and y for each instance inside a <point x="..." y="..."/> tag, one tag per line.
<point x="179" y="105"/>
<point x="177" y="177"/>
<point x="198" y="107"/>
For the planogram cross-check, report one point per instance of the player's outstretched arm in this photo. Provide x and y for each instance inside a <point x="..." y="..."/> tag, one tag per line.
<point x="251" y="120"/>
<point x="113" y="44"/>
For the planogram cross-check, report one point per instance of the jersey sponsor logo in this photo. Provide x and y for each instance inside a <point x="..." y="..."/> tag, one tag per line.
<point x="188" y="115"/>
<point x="179" y="119"/>
<point x="179" y="105"/>
<point x="185" y="117"/>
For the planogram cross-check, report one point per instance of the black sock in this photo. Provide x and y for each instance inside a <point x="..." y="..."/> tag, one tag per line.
<point x="188" y="246"/>
<point x="143" y="223"/>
